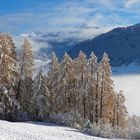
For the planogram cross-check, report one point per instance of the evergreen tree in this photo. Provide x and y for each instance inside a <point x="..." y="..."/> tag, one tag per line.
<point x="9" y="107"/>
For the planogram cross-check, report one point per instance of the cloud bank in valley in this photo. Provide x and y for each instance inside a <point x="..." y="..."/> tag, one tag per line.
<point x="130" y="85"/>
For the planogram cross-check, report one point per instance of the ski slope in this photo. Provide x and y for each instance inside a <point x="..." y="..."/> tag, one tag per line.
<point x="40" y="131"/>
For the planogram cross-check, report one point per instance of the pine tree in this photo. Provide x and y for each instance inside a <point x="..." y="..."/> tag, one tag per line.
<point x="25" y="84"/>
<point x="9" y="107"/>
<point x="41" y="97"/>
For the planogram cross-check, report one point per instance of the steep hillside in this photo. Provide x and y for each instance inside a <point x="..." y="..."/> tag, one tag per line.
<point x="122" y="45"/>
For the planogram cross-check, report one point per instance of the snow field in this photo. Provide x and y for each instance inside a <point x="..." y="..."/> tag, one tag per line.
<point x="40" y="131"/>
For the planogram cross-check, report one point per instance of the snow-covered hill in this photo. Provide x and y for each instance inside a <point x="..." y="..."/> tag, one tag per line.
<point x="40" y="131"/>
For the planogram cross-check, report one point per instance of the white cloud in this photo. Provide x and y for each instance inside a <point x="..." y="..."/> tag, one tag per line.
<point x="27" y="21"/>
<point x="104" y="2"/>
<point x="107" y="2"/>
<point x="68" y="16"/>
<point x="131" y="3"/>
<point x="36" y="45"/>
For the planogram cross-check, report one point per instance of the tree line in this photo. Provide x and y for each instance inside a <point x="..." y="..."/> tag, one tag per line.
<point x="82" y="85"/>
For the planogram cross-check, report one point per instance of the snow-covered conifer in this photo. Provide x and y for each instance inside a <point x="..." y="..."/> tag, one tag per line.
<point x="25" y="83"/>
<point x="41" y="97"/>
<point x="121" y="110"/>
<point x="93" y="93"/>
<point x="67" y="83"/>
<point x="54" y="77"/>
<point x="82" y="84"/>
<point x="8" y="61"/>
<point x="8" y="78"/>
<point x="107" y="92"/>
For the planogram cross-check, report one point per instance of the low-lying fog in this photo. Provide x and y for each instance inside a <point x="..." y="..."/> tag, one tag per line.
<point x="130" y="84"/>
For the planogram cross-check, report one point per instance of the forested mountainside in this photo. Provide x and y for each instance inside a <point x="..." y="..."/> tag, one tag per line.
<point x="121" y="44"/>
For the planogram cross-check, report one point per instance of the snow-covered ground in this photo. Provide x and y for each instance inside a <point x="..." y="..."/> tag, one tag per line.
<point x="130" y="84"/>
<point x="40" y="131"/>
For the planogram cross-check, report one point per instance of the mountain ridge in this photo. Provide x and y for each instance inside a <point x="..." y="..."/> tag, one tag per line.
<point x="122" y="44"/>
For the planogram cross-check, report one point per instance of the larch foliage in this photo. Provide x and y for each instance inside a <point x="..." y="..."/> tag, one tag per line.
<point x="121" y="118"/>
<point x="26" y="60"/>
<point x="53" y="79"/>
<point x="82" y="84"/>
<point x="99" y="101"/>
<point x="67" y="70"/>
<point x="93" y="93"/>
<point x="73" y="86"/>
<point x="8" y="78"/>
<point x="25" y="84"/>
<point x="107" y="92"/>
<point x="41" y="96"/>
<point x="8" y="61"/>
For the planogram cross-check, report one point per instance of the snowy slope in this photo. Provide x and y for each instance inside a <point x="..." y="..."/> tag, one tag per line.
<point x="40" y="131"/>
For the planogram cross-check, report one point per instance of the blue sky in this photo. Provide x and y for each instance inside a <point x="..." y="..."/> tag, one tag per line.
<point x="22" y="16"/>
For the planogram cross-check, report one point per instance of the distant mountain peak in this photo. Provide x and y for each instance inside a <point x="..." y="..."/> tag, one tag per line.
<point x="122" y="45"/>
<point x="137" y="25"/>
